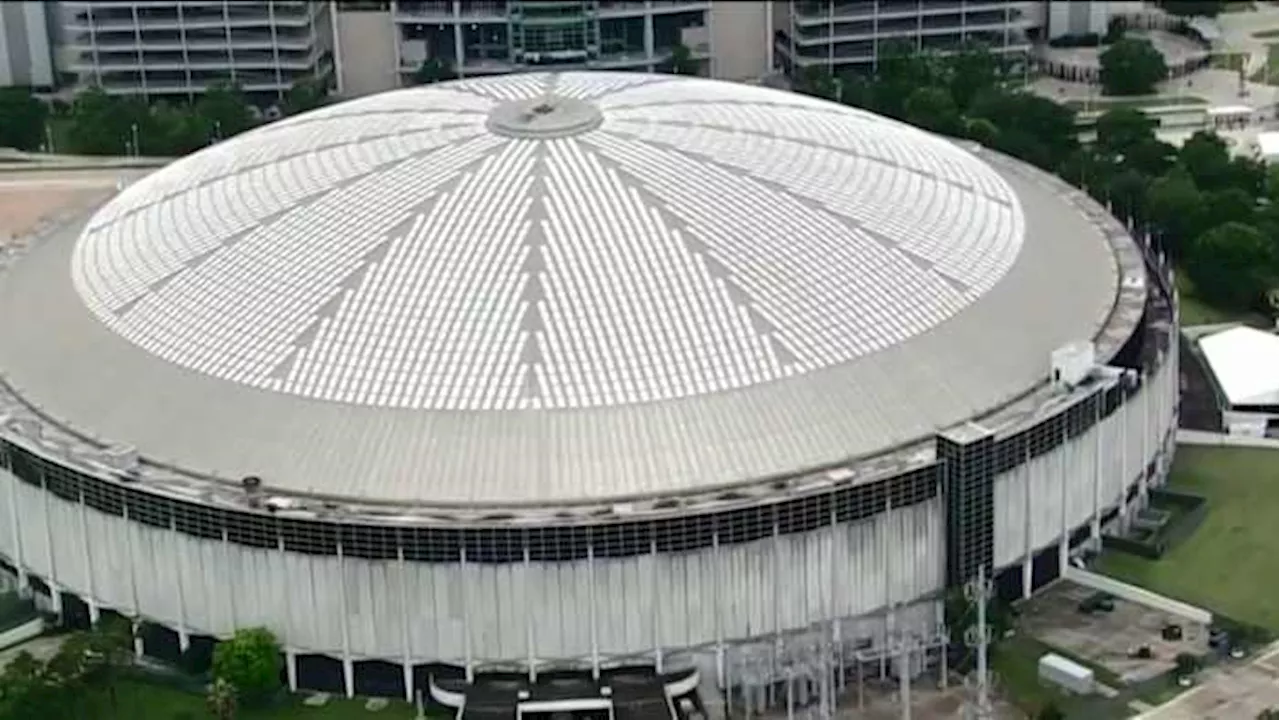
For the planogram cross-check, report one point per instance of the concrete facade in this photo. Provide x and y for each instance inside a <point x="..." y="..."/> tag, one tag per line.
<point x="26" y="54"/>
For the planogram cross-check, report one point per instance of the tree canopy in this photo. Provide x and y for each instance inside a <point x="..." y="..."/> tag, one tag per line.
<point x="250" y="663"/>
<point x="682" y="61"/>
<point x="1131" y="66"/>
<point x="433" y="70"/>
<point x="22" y="119"/>
<point x="1191" y="8"/>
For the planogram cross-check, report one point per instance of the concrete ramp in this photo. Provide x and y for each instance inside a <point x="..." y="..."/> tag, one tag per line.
<point x="1135" y="594"/>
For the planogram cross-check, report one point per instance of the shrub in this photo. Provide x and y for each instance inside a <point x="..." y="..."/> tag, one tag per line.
<point x="249" y="662"/>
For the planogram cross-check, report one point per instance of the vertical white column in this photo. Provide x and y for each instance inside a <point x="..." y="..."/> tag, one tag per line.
<point x="230" y="559"/>
<point x="657" y="606"/>
<point x="348" y="671"/>
<point x="291" y="668"/>
<point x="768" y="38"/>
<point x="1123" y="475"/>
<point x="717" y="600"/>
<point x="55" y="590"/>
<point x="833" y="582"/>
<point x="406" y="602"/>
<point x="176" y="547"/>
<point x="1064" y="480"/>
<point x="649" y="48"/>
<point x="591" y="609"/>
<point x="95" y="613"/>
<point x="135" y="627"/>
<point x="1148" y="389"/>
<point x="1028" y="537"/>
<point x="530" y="642"/>
<point x="777" y="589"/>
<point x="19" y="562"/>
<point x="1095" y="522"/>
<point x="459" y="60"/>
<point x="86" y="548"/>
<point x="465" y="580"/>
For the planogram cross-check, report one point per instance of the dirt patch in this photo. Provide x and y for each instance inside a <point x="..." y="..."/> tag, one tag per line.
<point x="23" y="209"/>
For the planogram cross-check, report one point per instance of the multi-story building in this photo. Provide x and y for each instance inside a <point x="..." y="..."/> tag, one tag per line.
<point x="483" y="37"/>
<point x="157" y="49"/>
<point x="26" y="55"/>
<point x="850" y="34"/>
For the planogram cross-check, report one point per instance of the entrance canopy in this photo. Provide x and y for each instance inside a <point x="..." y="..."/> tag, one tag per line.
<point x="1246" y="364"/>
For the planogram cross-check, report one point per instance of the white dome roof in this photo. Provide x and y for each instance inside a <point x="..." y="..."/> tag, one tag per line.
<point x="563" y="240"/>
<point x="556" y="289"/>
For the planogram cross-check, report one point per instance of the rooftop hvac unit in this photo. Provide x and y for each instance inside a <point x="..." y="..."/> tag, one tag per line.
<point x="1071" y="364"/>
<point x="123" y="459"/>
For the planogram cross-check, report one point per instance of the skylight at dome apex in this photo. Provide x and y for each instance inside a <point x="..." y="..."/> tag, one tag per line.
<point x="403" y="251"/>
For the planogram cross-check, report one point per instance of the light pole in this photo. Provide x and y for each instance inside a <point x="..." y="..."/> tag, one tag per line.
<point x="979" y="637"/>
<point x="133" y="130"/>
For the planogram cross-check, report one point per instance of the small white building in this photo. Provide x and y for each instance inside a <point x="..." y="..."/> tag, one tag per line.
<point x="1066" y="674"/>
<point x="1267" y="146"/>
<point x="1245" y="365"/>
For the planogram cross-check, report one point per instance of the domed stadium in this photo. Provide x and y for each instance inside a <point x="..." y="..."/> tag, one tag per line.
<point x="570" y="375"/>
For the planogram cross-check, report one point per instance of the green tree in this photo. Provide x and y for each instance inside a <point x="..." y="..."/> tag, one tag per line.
<point x="1122" y="129"/>
<point x="178" y="131"/>
<point x="250" y="662"/>
<point x="306" y="94"/>
<point x="1206" y="157"/>
<point x="108" y="650"/>
<point x="682" y="61"/>
<point x="1151" y="157"/>
<point x="1127" y="192"/>
<point x="1192" y="8"/>
<point x="1131" y="67"/>
<point x="1050" y="711"/>
<point x="1227" y="205"/>
<point x="25" y="689"/>
<point x="1032" y="128"/>
<point x="224" y="110"/>
<point x="221" y="699"/>
<point x="101" y="124"/>
<point x="1174" y="208"/>
<point x="22" y="119"/>
<point x="972" y="70"/>
<point x="900" y="70"/>
<point x="933" y="109"/>
<point x="433" y="70"/>
<point x="816" y="81"/>
<point x="1232" y="266"/>
<point x="982" y="131"/>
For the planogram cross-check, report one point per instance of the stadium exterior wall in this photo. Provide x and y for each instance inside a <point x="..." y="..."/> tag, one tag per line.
<point x="707" y="590"/>
<point x="691" y="607"/>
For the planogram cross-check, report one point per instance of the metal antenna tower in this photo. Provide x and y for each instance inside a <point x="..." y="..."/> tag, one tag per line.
<point x="978" y="636"/>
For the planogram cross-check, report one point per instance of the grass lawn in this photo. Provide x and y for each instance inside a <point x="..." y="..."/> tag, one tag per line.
<point x="1230" y="564"/>
<point x="139" y="700"/>
<point x="1016" y="665"/>
<point x="1196" y="312"/>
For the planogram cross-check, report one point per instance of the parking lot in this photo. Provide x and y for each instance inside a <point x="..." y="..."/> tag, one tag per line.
<point x="1106" y="639"/>
<point x="1237" y="692"/>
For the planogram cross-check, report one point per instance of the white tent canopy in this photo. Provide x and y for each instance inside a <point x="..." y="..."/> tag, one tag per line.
<point x="1269" y="144"/>
<point x="1246" y="364"/>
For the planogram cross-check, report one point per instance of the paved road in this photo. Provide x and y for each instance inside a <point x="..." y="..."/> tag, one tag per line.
<point x="1227" y="693"/>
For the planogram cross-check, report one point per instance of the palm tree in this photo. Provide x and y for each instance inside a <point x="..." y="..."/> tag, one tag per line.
<point x="222" y="699"/>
